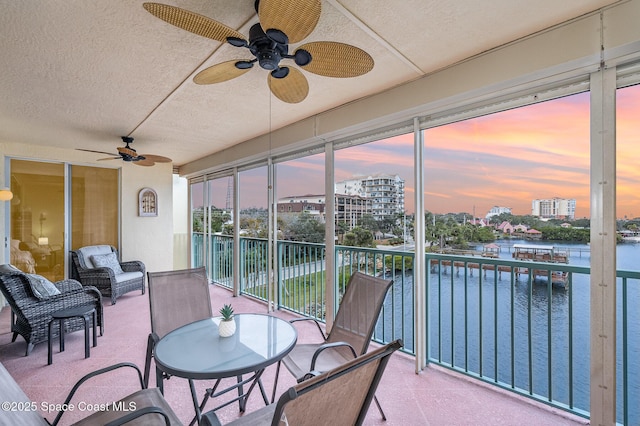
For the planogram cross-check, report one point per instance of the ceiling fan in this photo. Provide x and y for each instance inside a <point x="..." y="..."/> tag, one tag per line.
<point x="281" y="22"/>
<point x="126" y="153"/>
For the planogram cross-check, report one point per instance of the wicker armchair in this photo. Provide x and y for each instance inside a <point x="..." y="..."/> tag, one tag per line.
<point x="109" y="282"/>
<point x="30" y="316"/>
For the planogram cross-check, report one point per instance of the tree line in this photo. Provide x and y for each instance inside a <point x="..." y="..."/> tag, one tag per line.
<point x="456" y="230"/>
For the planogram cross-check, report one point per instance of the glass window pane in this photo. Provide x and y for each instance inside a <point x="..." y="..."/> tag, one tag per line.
<point x="372" y="181"/>
<point x="94" y="206"/>
<point x="37" y="218"/>
<point x="197" y="224"/>
<point x="526" y="166"/>
<point x="301" y="199"/>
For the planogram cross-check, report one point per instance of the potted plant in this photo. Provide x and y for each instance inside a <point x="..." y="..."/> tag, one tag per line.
<point x="227" y="325"/>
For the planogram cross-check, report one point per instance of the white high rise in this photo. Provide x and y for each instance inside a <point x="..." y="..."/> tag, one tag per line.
<point x="554" y="208"/>
<point x="386" y="193"/>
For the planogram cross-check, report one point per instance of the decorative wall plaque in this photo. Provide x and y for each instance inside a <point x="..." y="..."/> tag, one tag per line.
<point x="147" y="202"/>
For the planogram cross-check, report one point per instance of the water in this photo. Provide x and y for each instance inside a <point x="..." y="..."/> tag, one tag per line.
<point x="484" y="325"/>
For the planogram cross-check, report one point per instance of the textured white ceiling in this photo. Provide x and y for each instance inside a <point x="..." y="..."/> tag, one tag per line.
<point x="81" y="73"/>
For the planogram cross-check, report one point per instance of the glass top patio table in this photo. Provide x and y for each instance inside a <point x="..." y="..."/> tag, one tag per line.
<point x="196" y="351"/>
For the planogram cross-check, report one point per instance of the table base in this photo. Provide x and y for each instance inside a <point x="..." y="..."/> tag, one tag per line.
<point x="241" y="398"/>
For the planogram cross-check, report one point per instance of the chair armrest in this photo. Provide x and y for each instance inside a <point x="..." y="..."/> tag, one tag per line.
<point x="93" y="291"/>
<point x="139" y="413"/>
<point x="93" y="374"/>
<point x="326" y="346"/>
<point x="33" y="308"/>
<point x="69" y="285"/>
<point x="210" y="419"/>
<point x="132" y="266"/>
<point x="324" y="336"/>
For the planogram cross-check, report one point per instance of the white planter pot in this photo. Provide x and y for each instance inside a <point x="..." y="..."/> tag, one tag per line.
<point x="227" y="328"/>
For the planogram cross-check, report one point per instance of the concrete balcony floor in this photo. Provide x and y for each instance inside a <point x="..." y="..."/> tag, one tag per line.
<point x="435" y="396"/>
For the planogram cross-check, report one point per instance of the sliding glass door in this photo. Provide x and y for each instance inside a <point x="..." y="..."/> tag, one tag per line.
<point x="94" y="206"/>
<point x="40" y="216"/>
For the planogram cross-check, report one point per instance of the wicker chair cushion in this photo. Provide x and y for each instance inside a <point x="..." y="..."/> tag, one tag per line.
<point x="89" y="251"/>
<point x="41" y="287"/>
<point x="128" y="276"/>
<point x="108" y="260"/>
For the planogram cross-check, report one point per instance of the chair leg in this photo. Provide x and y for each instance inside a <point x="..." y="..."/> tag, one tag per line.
<point x="375" y="399"/>
<point x="147" y="363"/>
<point x="275" y="383"/>
<point x="15" y="336"/>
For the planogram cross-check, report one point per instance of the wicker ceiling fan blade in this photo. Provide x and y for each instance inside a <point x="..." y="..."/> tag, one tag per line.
<point x="157" y="158"/>
<point x="109" y="158"/>
<point x="334" y="59"/>
<point x="192" y="22"/>
<point x="296" y="18"/>
<point x="98" y="152"/>
<point x="218" y="73"/>
<point x="146" y="162"/>
<point x="292" y="89"/>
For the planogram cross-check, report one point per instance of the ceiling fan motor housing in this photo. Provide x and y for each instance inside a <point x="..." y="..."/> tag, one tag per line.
<point x="267" y="51"/>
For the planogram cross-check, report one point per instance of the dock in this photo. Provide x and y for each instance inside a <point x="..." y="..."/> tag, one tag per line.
<point x="522" y="252"/>
<point x="543" y="254"/>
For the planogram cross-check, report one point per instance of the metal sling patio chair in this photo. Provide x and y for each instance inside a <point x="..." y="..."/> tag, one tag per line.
<point x="176" y="298"/>
<point x="341" y="396"/>
<point x="350" y="334"/>
<point x="142" y="407"/>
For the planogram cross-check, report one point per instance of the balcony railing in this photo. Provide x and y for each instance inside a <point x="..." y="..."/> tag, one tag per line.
<point x="519" y="325"/>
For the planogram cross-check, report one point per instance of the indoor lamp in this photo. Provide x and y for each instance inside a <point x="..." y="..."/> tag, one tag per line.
<point x="6" y="194"/>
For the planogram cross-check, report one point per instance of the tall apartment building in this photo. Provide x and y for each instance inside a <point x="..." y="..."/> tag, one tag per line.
<point x="554" y="208"/>
<point x="386" y="193"/>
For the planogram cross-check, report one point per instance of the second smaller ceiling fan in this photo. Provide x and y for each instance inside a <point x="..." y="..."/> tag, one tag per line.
<point x="126" y="153"/>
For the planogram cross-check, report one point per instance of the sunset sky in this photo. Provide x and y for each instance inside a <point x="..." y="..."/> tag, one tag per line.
<point x="505" y="159"/>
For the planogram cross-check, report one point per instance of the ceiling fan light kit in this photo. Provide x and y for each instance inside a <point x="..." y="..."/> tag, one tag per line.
<point x="281" y="22"/>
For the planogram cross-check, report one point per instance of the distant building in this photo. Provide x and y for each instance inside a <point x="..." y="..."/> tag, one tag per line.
<point x="554" y="208"/>
<point x="312" y="204"/>
<point x="385" y="191"/>
<point x="496" y="211"/>
<point x="506" y="228"/>
<point x="348" y="208"/>
<point x="520" y="228"/>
